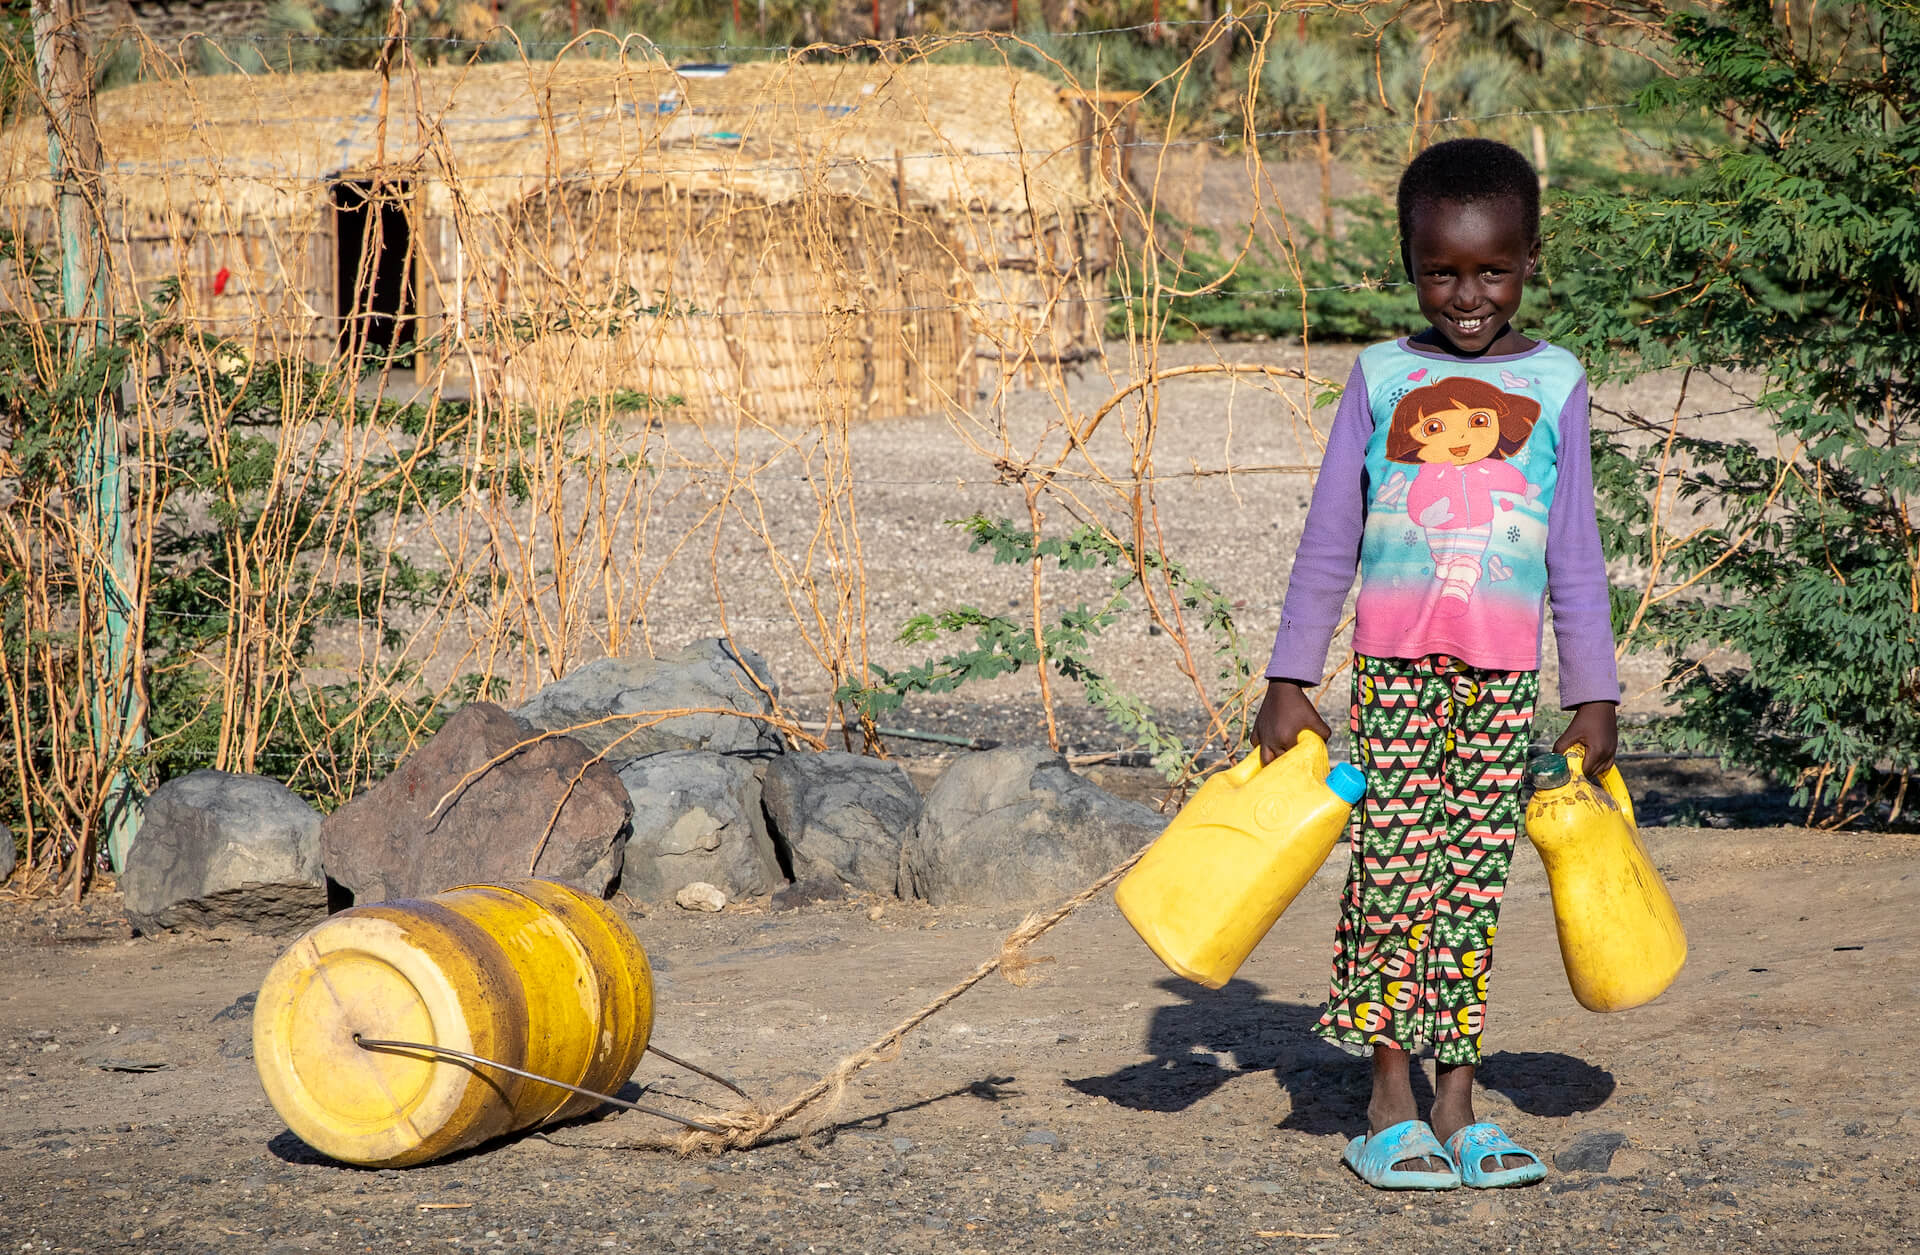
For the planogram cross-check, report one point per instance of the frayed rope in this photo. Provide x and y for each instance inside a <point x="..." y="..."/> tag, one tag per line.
<point x="747" y="1127"/>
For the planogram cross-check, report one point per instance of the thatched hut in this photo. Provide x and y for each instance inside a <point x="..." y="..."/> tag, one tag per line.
<point x="760" y="239"/>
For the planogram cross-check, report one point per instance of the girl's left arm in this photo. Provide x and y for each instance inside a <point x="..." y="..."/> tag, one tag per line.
<point x="1577" y="588"/>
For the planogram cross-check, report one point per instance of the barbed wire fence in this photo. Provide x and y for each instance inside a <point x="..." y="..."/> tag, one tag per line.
<point x="436" y="382"/>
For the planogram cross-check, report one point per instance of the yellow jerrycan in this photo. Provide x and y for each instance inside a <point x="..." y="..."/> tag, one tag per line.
<point x="533" y="974"/>
<point x="1620" y="937"/>
<point x="1236" y="855"/>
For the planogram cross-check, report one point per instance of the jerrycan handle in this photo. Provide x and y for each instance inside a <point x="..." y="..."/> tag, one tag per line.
<point x="1243" y="772"/>
<point x="1610" y="780"/>
<point x="1348" y="782"/>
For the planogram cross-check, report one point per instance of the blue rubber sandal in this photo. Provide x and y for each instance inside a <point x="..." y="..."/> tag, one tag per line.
<point x="1471" y="1147"/>
<point x="1373" y="1158"/>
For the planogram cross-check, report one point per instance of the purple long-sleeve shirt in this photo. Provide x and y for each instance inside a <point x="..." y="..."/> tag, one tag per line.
<point x="1461" y="491"/>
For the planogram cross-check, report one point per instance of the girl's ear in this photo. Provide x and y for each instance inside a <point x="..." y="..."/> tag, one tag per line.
<point x="1533" y="258"/>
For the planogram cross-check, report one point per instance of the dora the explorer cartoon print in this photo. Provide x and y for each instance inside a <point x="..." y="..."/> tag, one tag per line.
<point x="1459" y="432"/>
<point x="1462" y="467"/>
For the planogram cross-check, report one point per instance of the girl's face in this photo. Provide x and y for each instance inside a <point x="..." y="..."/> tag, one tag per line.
<point x="1461" y="436"/>
<point x="1470" y="264"/>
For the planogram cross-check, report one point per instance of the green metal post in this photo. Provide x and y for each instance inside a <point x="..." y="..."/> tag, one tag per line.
<point x="73" y="147"/>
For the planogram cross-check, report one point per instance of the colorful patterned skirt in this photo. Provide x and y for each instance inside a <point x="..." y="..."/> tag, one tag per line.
<point x="1443" y="745"/>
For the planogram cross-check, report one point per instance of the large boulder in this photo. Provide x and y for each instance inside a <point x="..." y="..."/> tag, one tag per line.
<point x="1015" y="825"/>
<point x="707" y="674"/>
<point x="389" y="843"/>
<point x="696" y="818"/>
<point x="842" y="818"/>
<point x="217" y="849"/>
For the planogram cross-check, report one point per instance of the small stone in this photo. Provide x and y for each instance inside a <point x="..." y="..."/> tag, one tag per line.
<point x="1040" y="1139"/>
<point x="1590" y="1152"/>
<point x="875" y="912"/>
<point x="903" y="1144"/>
<point x="700" y="896"/>
<point x="1485" y="1209"/>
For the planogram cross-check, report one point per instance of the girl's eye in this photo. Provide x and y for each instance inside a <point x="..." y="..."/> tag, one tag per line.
<point x="1480" y="418"/>
<point x="1432" y="427"/>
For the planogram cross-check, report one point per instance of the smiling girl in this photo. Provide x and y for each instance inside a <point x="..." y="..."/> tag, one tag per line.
<point x="1457" y="482"/>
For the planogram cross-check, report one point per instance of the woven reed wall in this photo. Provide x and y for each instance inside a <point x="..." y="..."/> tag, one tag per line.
<point x="918" y="232"/>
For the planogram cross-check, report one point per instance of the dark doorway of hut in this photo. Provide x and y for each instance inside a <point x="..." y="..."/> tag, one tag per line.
<point x="373" y="250"/>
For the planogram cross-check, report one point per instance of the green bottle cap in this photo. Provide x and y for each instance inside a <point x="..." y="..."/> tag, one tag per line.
<point x="1549" y="771"/>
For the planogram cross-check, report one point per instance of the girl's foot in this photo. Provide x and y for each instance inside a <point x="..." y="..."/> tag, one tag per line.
<point x="1482" y="1153"/>
<point x="1392" y="1104"/>
<point x="1453" y="1110"/>
<point x="1380" y="1159"/>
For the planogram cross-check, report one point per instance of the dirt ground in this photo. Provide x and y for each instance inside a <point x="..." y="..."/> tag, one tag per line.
<point x="1769" y="1102"/>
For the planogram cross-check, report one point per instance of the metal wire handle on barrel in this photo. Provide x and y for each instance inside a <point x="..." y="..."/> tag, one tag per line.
<point x="461" y="1056"/>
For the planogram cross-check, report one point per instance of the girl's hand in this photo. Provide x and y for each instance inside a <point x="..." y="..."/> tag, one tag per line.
<point x="1594" y="726"/>
<point x="1283" y="713"/>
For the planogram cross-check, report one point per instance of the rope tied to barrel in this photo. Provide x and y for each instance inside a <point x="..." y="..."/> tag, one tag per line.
<point x="744" y="1128"/>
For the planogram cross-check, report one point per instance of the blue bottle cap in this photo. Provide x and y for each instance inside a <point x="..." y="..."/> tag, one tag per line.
<point x="1348" y="781"/>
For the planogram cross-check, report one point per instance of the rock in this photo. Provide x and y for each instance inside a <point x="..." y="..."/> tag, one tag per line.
<point x="7" y="853"/>
<point x="388" y="842"/>
<point x="700" y="896"/>
<point x="841" y="817"/>
<point x="1015" y="825"/>
<point x="696" y="816"/>
<point x="221" y="849"/>
<point x="1040" y="1139"/>
<point x="707" y="673"/>
<point x="1589" y="1152"/>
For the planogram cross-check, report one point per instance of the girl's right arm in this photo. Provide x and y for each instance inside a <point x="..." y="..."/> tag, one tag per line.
<point x="1323" y="570"/>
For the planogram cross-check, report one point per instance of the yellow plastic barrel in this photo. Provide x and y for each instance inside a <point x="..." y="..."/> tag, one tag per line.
<point x="534" y="974"/>
<point x="1620" y="936"/>
<point x="1237" y="854"/>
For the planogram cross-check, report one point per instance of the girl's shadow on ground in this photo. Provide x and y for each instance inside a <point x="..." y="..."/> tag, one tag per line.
<point x="1201" y="1043"/>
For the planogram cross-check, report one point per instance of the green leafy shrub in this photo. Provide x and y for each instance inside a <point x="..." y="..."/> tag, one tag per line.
<point x="1003" y="645"/>
<point x="1792" y="616"/>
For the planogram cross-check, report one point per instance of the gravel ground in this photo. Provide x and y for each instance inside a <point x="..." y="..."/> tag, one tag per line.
<point x="1767" y="1103"/>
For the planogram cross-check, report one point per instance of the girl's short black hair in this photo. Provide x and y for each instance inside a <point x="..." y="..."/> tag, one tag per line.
<point x="1468" y="170"/>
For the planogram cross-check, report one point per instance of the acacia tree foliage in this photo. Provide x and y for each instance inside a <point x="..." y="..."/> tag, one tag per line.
<point x="1792" y="253"/>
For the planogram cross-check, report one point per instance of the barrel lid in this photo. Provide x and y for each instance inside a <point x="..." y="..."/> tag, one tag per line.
<point x="365" y="977"/>
<point x="1549" y="771"/>
<point x="1348" y="781"/>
